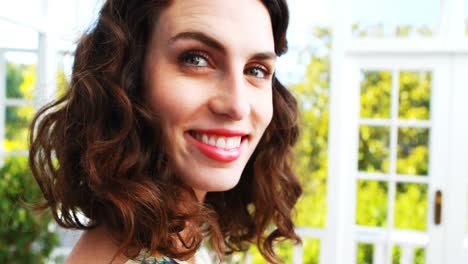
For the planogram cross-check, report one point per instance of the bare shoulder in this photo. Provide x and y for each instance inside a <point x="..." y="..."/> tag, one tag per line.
<point x="95" y="246"/>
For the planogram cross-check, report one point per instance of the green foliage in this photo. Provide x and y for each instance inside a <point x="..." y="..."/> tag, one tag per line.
<point x="372" y="200"/>
<point x="24" y="234"/>
<point x="365" y="253"/>
<point x="411" y="206"/>
<point x="374" y="149"/>
<point x="376" y="84"/>
<point x="311" y="150"/>
<point x="20" y="80"/>
<point x="413" y="152"/>
<point x="419" y="255"/>
<point x="415" y="95"/>
<point x="14" y="80"/>
<point x="396" y="254"/>
<point x="20" y="84"/>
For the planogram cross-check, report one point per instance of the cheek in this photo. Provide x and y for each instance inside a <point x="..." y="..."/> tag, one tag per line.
<point x="265" y="110"/>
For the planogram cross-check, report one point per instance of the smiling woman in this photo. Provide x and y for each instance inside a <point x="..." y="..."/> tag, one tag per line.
<point x="174" y="129"/>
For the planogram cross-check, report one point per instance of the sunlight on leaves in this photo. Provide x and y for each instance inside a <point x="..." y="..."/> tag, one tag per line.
<point x="375" y="84"/>
<point x="413" y="151"/>
<point x="371" y="209"/>
<point x="415" y="95"/>
<point x="374" y="149"/>
<point x="411" y="206"/>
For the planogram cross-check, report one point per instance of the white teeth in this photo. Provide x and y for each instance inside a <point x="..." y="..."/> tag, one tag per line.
<point x="212" y="141"/>
<point x="204" y="139"/>
<point x="219" y="141"/>
<point x="230" y="143"/>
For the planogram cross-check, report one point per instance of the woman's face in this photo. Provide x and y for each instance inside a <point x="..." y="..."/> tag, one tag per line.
<point x="209" y="76"/>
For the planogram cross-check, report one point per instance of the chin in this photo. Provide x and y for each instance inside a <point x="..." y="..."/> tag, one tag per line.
<point x="219" y="184"/>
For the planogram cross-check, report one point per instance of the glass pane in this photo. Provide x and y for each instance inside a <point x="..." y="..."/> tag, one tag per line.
<point x="374" y="148"/>
<point x="415" y="95"/>
<point x="371" y="209"/>
<point x="376" y="88"/>
<point x="396" y="254"/>
<point x="395" y="18"/>
<point x="411" y="206"/>
<point x="365" y="253"/>
<point x="16" y="129"/>
<point x="21" y="75"/>
<point x="413" y="151"/>
<point x="419" y="255"/>
<point x="311" y="251"/>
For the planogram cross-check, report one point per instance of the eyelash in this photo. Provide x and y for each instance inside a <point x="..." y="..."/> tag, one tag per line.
<point x="185" y="56"/>
<point x="262" y="68"/>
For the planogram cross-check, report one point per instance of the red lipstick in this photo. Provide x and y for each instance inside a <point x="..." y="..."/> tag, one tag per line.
<point x="216" y="153"/>
<point x="222" y="132"/>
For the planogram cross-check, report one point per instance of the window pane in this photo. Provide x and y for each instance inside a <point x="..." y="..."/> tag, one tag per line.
<point x="21" y="75"/>
<point x="390" y="18"/>
<point x="376" y="87"/>
<point x="16" y="129"/>
<point x="372" y="199"/>
<point x="415" y="95"/>
<point x="396" y="254"/>
<point x="413" y="151"/>
<point x="419" y="255"/>
<point x="311" y="251"/>
<point x="411" y="206"/>
<point x="365" y="253"/>
<point x="374" y="149"/>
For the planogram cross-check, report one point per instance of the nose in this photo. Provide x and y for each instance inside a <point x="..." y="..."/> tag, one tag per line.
<point x="231" y="99"/>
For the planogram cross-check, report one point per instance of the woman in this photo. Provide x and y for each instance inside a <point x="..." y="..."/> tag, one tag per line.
<point x="174" y="129"/>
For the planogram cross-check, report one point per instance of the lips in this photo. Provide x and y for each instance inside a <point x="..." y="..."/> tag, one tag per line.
<point x="220" y="144"/>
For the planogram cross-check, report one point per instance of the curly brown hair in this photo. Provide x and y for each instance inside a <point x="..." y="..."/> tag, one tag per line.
<point x="97" y="151"/>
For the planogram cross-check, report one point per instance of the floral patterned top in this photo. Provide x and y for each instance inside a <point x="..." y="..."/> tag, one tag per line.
<point x="144" y="257"/>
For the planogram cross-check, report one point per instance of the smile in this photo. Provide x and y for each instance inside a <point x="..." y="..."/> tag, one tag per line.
<point x="219" y="145"/>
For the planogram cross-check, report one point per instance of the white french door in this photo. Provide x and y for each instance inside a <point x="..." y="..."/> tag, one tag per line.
<point x="408" y="156"/>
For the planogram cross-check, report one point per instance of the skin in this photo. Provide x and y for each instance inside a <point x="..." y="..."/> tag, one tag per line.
<point x="223" y="80"/>
<point x="209" y="66"/>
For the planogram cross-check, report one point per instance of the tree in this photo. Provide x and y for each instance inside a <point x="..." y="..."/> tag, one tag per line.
<point x="25" y="236"/>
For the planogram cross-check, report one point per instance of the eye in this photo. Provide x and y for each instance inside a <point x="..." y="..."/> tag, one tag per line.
<point x="258" y="71"/>
<point x="194" y="58"/>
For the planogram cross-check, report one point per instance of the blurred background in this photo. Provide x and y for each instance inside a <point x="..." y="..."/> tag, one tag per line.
<point x="383" y="156"/>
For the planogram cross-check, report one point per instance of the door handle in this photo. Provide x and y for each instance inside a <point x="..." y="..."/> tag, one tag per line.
<point x="438" y="208"/>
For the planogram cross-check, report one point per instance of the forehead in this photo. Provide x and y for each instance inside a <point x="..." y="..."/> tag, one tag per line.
<point x="235" y="23"/>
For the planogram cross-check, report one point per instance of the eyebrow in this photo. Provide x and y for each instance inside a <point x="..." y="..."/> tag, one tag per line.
<point x="215" y="44"/>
